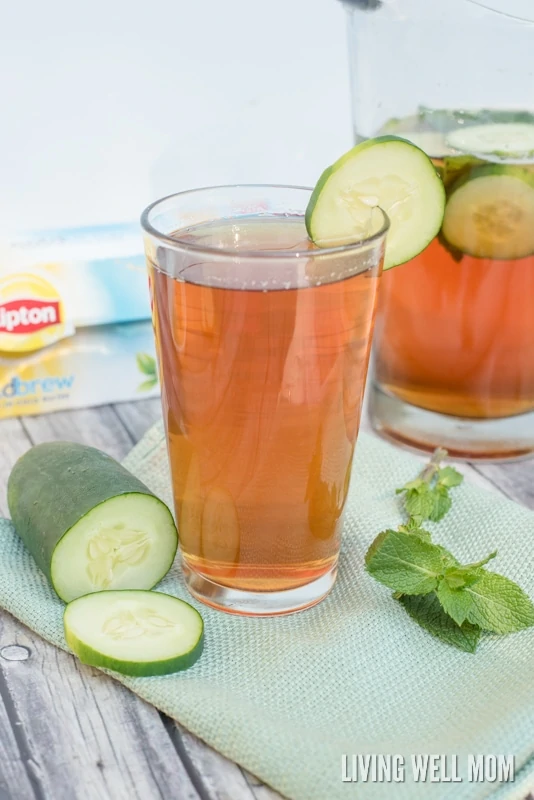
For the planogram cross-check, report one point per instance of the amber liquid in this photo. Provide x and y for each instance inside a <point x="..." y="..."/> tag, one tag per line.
<point x="262" y="384"/>
<point x="455" y="333"/>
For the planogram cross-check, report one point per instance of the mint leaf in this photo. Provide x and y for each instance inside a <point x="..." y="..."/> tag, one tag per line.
<point x="467" y="574"/>
<point x="455" y="602"/>
<point x="427" y="611"/>
<point x="419" y="501"/>
<point x="375" y="546"/>
<point x="146" y="364"/>
<point x="499" y="604"/>
<point x="448" y="476"/>
<point x="441" y="503"/>
<point x="413" y="526"/>
<point x="404" y="562"/>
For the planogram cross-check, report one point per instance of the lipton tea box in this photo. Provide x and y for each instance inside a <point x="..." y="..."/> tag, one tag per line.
<point x="75" y="325"/>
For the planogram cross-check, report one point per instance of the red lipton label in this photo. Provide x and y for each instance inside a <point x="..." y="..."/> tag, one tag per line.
<point x="28" y="316"/>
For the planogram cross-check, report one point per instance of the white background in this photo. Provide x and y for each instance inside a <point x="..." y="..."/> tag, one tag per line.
<point x="108" y="104"/>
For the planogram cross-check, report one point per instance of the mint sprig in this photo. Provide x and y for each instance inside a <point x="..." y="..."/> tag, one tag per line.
<point x="455" y="602"/>
<point x="427" y="497"/>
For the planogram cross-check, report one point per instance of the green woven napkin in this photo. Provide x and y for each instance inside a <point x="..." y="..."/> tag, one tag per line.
<point x="286" y="697"/>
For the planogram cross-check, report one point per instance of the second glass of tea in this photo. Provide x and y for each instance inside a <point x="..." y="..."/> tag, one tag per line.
<point x="454" y="341"/>
<point x="263" y="343"/>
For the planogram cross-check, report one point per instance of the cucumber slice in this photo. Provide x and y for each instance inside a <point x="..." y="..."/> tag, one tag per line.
<point x="501" y="140"/>
<point x="89" y="523"/>
<point x="134" y="632"/>
<point x="388" y="172"/>
<point x="490" y="213"/>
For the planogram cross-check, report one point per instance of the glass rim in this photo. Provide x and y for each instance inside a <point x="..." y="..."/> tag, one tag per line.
<point x="180" y="244"/>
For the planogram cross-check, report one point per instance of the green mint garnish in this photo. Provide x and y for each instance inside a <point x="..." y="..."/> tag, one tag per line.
<point x="453" y="601"/>
<point x="427" y="612"/>
<point x="427" y="497"/>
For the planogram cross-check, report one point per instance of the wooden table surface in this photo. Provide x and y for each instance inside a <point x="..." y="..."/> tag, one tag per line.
<point x="68" y="732"/>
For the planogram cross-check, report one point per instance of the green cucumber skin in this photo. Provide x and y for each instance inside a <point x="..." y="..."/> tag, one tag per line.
<point x="54" y="485"/>
<point x="136" y="669"/>
<point x="314" y="196"/>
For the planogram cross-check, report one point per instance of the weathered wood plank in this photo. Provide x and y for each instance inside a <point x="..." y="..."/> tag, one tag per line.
<point x="221" y="778"/>
<point x="15" y="780"/>
<point x="13" y="443"/>
<point x="139" y="416"/>
<point x="88" y="737"/>
<point x="99" y="427"/>
<point x="259" y="789"/>
<point x="515" y="480"/>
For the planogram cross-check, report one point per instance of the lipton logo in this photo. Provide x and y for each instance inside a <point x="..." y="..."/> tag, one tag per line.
<point x="28" y="316"/>
<point x="32" y="311"/>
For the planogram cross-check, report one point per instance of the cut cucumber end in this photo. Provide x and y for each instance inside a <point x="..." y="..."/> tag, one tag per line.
<point x="387" y="172"/>
<point x="490" y="213"/>
<point x="137" y="633"/>
<point x="88" y="522"/>
<point x="127" y="542"/>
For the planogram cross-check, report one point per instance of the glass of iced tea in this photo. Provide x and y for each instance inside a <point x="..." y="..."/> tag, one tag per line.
<point x="454" y="340"/>
<point x="263" y="343"/>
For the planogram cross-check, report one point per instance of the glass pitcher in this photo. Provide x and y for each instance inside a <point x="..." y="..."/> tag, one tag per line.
<point x="454" y="340"/>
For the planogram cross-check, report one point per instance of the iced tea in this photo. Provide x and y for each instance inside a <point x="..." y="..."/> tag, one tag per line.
<point x="455" y="329"/>
<point x="263" y="364"/>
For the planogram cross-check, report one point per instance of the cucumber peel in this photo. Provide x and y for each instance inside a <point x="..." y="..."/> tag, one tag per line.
<point x="490" y="213"/>
<point x="386" y="172"/>
<point x="136" y="633"/>
<point x="89" y="523"/>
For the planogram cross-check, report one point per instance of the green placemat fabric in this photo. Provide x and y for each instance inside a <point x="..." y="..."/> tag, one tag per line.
<point x="286" y="697"/>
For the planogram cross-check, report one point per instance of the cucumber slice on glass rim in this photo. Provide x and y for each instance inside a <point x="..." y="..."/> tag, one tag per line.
<point x="490" y="213"/>
<point x="511" y="141"/>
<point x="387" y="172"/>
<point x="134" y="632"/>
